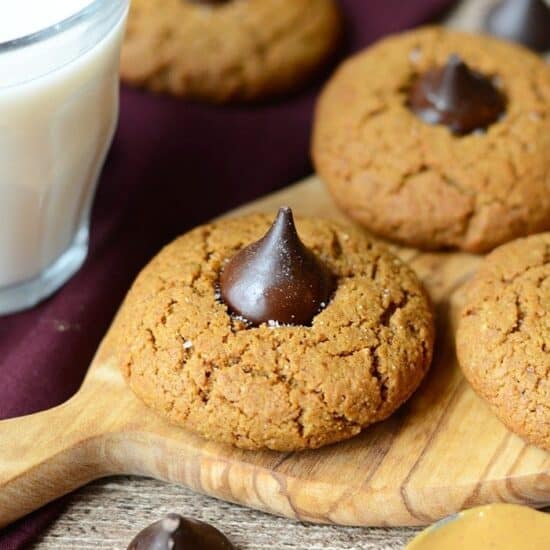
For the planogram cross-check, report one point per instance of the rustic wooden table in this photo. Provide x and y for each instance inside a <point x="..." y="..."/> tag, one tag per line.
<point x="107" y="513"/>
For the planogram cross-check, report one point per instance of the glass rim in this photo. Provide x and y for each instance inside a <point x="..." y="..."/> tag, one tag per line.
<point x="56" y="28"/>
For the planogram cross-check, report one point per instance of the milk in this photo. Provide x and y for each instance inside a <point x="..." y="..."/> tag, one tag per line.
<point x="58" y="112"/>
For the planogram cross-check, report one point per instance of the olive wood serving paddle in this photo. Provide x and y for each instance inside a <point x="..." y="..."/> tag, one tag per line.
<point x="441" y="452"/>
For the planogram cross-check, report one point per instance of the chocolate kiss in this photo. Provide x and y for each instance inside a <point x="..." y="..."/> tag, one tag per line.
<point x="175" y="532"/>
<point x="276" y="278"/>
<point x="456" y="96"/>
<point x="523" y="21"/>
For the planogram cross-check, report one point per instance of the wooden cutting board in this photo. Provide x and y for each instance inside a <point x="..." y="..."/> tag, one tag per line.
<point x="441" y="452"/>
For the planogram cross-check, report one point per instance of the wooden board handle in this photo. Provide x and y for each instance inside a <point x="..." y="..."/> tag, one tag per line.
<point x="46" y="455"/>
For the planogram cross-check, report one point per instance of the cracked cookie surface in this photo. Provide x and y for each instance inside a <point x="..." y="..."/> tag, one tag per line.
<point x="238" y="50"/>
<point x="418" y="183"/>
<point x="278" y="387"/>
<point x="503" y="338"/>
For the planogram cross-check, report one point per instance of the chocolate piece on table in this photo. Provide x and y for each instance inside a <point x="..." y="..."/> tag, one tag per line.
<point x="523" y="21"/>
<point x="175" y="532"/>
<point x="456" y="96"/>
<point x="277" y="278"/>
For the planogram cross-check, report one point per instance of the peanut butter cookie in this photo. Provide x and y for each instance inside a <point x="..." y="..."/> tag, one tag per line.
<point x="230" y="50"/>
<point x="392" y="164"/>
<point x="503" y="339"/>
<point x="275" y="386"/>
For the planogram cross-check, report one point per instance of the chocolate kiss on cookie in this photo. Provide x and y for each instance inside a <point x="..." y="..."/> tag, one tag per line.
<point x="175" y="532"/>
<point x="523" y="21"/>
<point x="277" y="278"/>
<point x="456" y="96"/>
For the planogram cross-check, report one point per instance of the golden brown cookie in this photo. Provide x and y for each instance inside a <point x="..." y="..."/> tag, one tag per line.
<point x="503" y="338"/>
<point x="276" y="387"/>
<point x="227" y="51"/>
<point x="421" y="184"/>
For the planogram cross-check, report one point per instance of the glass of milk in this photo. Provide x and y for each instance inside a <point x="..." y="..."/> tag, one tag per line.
<point x="58" y="113"/>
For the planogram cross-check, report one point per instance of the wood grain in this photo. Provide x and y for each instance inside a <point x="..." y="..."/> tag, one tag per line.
<point x="442" y="451"/>
<point x="108" y="513"/>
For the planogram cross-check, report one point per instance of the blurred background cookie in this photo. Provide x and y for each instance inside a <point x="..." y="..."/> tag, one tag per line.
<point x="227" y="50"/>
<point x="439" y="139"/>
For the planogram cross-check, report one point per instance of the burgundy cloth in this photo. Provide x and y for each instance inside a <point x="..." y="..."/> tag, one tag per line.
<point x="173" y="165"/>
